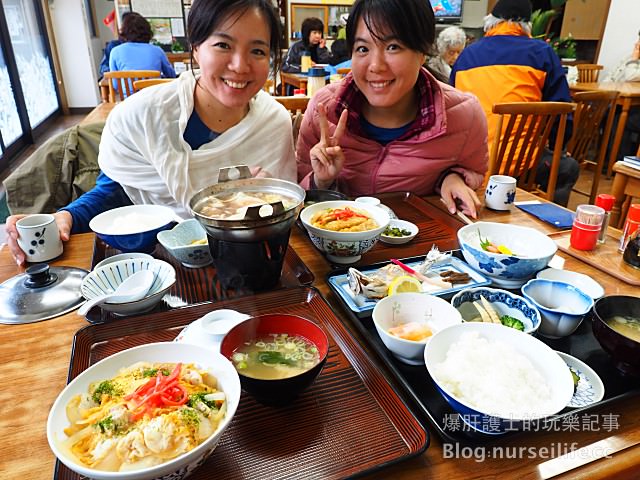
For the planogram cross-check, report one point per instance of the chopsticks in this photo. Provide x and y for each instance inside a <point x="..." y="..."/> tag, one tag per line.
<point x="461" y="215"/>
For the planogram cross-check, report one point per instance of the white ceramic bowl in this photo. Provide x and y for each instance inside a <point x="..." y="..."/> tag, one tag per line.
<point x="107" y="278"/>
<point x="122" y="256"/>
<point x="562" y="306"/>
<point x="411" y="307"/>
<point x="532" y="252"/>
<point x="179" y="242"/>
<point x="344" y="247"/>
<point x="178" y="467"/>
<point x="505" y="303"/>
<point x="209" y="330"/>
<point x="403" y="225"/>
<point x="585" y="283"/>
<point x="546" y="361"/>
<point x="132" y="228"/>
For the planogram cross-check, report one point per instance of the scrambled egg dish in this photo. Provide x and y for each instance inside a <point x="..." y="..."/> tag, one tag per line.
<point x="343" y="220"/>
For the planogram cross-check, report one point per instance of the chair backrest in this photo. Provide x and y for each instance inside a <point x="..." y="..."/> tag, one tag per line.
<point x="343" y="71"/>
<point x="588" y="72"/>
<point x="294" y="104"/>
<point x="522" y="134"/>
<point x="124" y="82"/>
<point x="591" y="109"/>
<point x="149" y="82"/>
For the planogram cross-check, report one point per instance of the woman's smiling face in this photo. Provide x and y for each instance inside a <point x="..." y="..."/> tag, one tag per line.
<point x="234" y="60"/>
<point x="384" y="69"/>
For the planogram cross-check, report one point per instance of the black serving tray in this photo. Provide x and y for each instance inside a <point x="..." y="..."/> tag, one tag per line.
<point x="432" y="408"/>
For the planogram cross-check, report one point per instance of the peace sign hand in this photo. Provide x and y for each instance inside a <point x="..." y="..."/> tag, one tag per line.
<point x="326" y="156"/>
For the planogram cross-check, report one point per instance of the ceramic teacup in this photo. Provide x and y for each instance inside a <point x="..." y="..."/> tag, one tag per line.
<point x="39" y="238"/>
<point x="500" y="193"/>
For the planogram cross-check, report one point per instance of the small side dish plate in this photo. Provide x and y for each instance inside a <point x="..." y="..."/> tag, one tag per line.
<point x="412" y="228"/>
<point x="362" y="306"/>
<point x="590" y="388"/>
<point x="579" y="280"/>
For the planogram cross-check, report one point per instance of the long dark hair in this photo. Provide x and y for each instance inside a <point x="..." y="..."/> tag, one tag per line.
<point x="309" y="25"/>
<point x="410" y="21"/>
<point x="206" y="15"/>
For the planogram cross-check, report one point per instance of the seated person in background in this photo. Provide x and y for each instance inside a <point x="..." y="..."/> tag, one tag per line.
<point x="312" y="42"/>
<point x="450" y="43"/>
<point x="136" y="53"/>
<point x="390" y="125"/>
<point x="507" y="65"/>
<point x="340" y="56"/>
<point x="628" y="70"/>
<point x="164" y="144"/>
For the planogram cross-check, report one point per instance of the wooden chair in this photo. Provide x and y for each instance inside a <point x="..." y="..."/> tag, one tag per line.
<point x="343" y="71"/>
<point x="520" y="141"/>
<point x="149" y="82"/>
<point x="268" y="86"/>
<point x="124" y="80"/>
<point x="588" y="72"/>
<point x="591" y="109"/>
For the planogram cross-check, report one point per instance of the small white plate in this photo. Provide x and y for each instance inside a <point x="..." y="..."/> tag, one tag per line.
<point x="404" y="225"/>
<point x="590" y="388"/>
<point x="579" y="280"/>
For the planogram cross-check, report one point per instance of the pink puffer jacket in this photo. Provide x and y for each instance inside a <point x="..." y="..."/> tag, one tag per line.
<point x="457" y="141"/>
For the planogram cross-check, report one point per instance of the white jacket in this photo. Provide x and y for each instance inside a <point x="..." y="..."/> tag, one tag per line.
<point x="143" y="149"/>
<point x="628" y="70"/>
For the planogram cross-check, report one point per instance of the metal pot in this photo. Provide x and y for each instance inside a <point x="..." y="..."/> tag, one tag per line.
<point x="248" y="253"/>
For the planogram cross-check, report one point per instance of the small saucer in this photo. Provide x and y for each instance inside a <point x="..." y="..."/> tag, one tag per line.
<point x="403" y="225"/>
<point x="208" y="331"/>
<point x="590" y="388"/>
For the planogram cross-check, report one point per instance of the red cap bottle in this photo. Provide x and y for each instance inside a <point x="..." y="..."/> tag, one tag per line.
<point x="606" y="201"/>
<point x="631" y="225"/>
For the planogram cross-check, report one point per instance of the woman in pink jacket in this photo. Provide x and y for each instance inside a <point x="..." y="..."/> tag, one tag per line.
<point x="390" y="125"/>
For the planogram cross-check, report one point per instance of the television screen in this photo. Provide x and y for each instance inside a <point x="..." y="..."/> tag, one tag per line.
<point x="447" y="10"/>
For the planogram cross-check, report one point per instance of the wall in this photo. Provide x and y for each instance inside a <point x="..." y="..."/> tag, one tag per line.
<point x="473" y="11"/>
<point x="620" y="33"/>
<point x="74" y="51"/>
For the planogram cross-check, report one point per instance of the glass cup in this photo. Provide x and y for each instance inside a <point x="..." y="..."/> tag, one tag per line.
<point x="586" y="227"/>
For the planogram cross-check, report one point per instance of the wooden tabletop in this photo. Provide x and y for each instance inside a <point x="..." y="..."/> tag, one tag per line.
<point x="36" y="357"/>
<point x="625" y="89"/>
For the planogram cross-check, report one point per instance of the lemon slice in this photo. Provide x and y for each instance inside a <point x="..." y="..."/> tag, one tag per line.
<point x="505" y="250"/>
<point x="404" y="284"/>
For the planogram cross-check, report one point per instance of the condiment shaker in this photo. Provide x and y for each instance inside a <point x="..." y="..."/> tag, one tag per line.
<point x="586" y="227"/>
<point x="631" y="224"/>
<point x="605" y="201"/>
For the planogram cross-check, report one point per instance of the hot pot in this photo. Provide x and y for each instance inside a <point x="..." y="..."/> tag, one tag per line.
<point x="248" y="253"/>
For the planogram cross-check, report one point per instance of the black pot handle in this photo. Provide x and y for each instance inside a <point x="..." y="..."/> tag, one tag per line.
<point x="39" y="276"/>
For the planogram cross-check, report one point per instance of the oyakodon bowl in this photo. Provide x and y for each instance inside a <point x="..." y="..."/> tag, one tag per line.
<point x="624" y="351"/>
<point x="344" y="247"/>
<point x="132" y="228"/>
<point x="282" y="391"/>
<point x="561" y="306"/>
<point x="171" y="352"/>
<point x="531" y="252"/>
<point x="473" y="378"/>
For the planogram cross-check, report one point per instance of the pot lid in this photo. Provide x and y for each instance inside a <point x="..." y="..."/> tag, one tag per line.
<point x="41" y="293"/>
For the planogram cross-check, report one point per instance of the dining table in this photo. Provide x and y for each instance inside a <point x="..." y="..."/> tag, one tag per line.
<point x="36" y="359"/>
<point x="628" y="96"/>
<point x="297" y="80"/>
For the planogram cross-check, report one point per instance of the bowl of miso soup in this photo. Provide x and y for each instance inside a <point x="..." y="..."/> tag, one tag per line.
<point x="277" y="356"/>
<point x="616" y="325"/>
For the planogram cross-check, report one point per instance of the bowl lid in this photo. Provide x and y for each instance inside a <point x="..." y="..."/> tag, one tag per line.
<point x="41" y="293"/>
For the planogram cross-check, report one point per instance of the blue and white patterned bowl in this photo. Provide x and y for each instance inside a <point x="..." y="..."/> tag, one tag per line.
<point x="562" y="306"/>
<point x="344" y="247"/>
<point x="505" y="303"/>
<point x="106" y="279"/>
<point x="590" y="388"/>
<point x="179" y="242"/>
<point x="532" y="251"/>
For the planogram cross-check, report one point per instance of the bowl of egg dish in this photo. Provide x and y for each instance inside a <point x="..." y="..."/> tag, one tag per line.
<point x="132" y="228"/>
<point x="277" y="356"/>
<point x="496" y="378"/>
<point x="406" y="322"/>
<point x="187" y="243"/>
<point x="154" y="411"/>
<point x="344" y="230"/>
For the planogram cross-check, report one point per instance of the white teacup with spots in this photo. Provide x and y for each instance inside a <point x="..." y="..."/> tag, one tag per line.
<point x="39" y="238"/>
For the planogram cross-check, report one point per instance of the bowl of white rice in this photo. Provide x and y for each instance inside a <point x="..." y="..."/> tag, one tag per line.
<point x="132" y="228"/>
<point x="495" y="378"/>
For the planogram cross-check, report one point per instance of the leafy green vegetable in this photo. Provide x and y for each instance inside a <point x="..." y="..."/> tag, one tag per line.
<point x="274" y="358"/>
<point x="104" y="388"/>
<point x="152" y="372"/>
<point x="396" y="232"/>
<point x="509" y="321"/>
<point x="107" y="425"/>
<point x="576" y="379"/>
<point x="199" y="397"/>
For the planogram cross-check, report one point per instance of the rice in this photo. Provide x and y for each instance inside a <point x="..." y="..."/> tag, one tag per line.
<point x="493" y="378"/>
<point x="132" y="223"/>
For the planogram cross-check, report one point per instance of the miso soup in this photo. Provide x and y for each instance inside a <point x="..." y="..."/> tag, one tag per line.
<point x="233" y="206"/>
<point x="625" y="325"/>
<point x="275" y="356"/>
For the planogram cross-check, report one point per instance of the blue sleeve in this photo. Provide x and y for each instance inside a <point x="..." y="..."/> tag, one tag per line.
<point x="166" y="68"/>
<point x="106" y="195"/>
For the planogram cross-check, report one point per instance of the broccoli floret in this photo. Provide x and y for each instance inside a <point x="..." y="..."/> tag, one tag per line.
<point x="509" y="321"/>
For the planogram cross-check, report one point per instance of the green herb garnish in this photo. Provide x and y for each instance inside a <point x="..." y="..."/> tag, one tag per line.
<point x="274" y="358"/>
